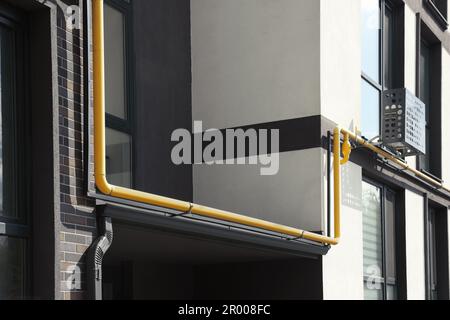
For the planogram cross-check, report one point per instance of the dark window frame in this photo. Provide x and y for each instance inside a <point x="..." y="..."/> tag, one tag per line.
<point x="126" y="125"/>
<point x="20" y="227"/>
<point x="434" y="124"/>
<point x="397" y="61"/>
<point x="436" y="251"/>
<point x="399" y="236"/>
<point x="439" y="11"/>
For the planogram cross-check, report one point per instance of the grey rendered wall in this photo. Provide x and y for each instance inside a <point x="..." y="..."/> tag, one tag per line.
<point x="254" y="62"/>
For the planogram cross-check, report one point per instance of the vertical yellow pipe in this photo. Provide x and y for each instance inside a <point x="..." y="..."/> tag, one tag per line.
<point x="134" y="195"/>
<point x="337" y="182"/>
<point x="99" y="98"/>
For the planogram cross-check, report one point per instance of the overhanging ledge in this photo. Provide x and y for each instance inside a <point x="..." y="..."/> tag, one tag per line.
<point x="206" y="230"/>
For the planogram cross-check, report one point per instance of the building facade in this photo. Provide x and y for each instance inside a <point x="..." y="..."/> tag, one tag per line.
<point x="301" y="67"/>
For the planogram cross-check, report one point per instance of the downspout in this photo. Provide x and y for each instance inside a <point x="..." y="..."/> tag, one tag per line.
<point x="96" y="253"/>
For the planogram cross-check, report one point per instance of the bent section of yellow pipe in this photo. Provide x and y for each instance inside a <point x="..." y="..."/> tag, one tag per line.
<point x="401" y="164"/>
<point x="346" y="149"/>
<point x="165" y="202"/>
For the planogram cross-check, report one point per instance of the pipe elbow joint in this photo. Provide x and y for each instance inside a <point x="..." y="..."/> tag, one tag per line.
<point x="346" y="149"/>
<point x="102" y="185"/>
<point x="335" y="242"/>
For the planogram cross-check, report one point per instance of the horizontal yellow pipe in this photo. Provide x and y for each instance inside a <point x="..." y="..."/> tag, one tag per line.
<point x="183" y="206"/>
<point x="403" y="165"/>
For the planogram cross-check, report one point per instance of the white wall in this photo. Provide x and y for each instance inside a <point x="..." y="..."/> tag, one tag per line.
<point x="410" y="49"/>
<point x="340" y="61"/>
<point x="343" y="277"/>
<point x="254" y="61"/>
<point x="415" y="246"/>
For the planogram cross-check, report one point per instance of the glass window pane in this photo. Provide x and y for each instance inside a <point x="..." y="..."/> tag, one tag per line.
<point x="390" y="237"/>
<point x="370" y="113"/>
<point x="425" y="90"/>
<point x="372" y="231"/>
<point x="12" y="266"/>
<point x="7" y="162"/>
<point x="373" y="293"/>
<point x="388" y="48"/>
<point x="115" y="100"/>
<point x="370" y="20"/>
<point x="425" y="56"/>
<point x="118" y="158"/>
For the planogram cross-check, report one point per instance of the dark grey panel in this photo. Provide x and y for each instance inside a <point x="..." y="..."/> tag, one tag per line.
<point x="163" y="94"/>
<point x="42" y="153"/>
<point x="269" y="280"/>
<point x="212" y="232"/>
<point x="295" y="134"/>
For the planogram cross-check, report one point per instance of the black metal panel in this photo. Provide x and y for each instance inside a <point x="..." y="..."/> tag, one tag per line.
<point x="403" y="122"/>
<point x="154" y="220"/>
<point x="163" y="94"/>
<point x="295" y="135"/>
<point x="438" y="10"/>
<point x="43" y="156"/>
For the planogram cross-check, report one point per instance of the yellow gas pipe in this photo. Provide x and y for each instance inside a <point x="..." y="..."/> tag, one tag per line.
<point x="183" y="206"/>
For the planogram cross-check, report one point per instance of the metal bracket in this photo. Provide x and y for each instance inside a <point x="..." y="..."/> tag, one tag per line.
<point x="298" y="238"/>
<point x="188" y="212"/>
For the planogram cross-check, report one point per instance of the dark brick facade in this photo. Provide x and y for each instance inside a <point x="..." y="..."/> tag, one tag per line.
<point x="77" y="219"/>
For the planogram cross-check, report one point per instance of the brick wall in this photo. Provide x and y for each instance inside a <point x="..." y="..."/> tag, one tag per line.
<point x="77" y="224"/>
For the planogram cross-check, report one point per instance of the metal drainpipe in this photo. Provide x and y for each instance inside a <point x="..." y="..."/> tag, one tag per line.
<point x="96" y="253"/>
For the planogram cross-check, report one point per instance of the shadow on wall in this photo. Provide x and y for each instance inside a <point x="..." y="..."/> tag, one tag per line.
<point x="263" y="280"/>
<point x="351" y="187"/>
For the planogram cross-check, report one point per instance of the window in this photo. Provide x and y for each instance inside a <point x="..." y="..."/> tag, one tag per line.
<point x="118" y="92"/>
<point x="441" y="5"/>
<point x="439" y="10"/>
<point x="429" y="91"/>
<point x="380" y="60"/>
<point x="7" y="128"/>
<point x="425" y="59"/>
<point x="437" y="253"/>
<point x="12" y="265"/>
<point x="14" y="231"/>
<point x="379" y="242"/>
